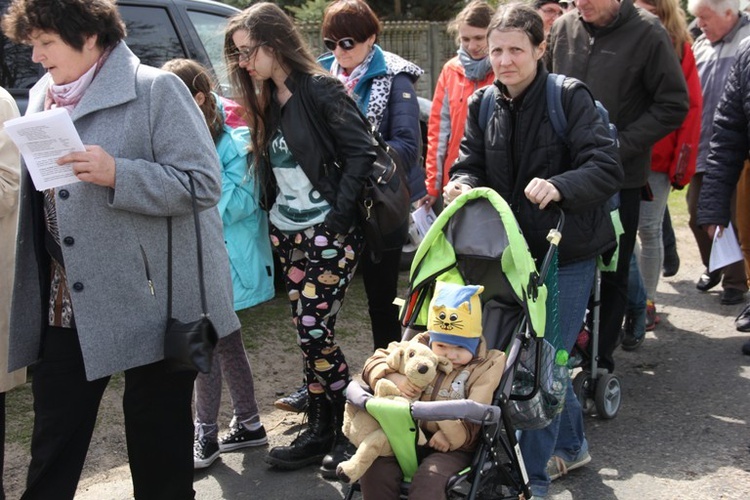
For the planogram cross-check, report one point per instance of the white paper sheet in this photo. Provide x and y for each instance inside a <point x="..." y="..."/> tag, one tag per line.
<point x="725" y="249"/>
<point x="42" y="138"/>
<point x="423" y="219"/>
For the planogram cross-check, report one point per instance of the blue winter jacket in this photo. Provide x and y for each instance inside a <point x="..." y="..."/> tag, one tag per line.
<point x="400" y="122"/>
<point x="245" y="223"/>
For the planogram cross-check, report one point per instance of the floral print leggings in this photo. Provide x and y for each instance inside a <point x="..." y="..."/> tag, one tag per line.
<point x="317" y="268"/>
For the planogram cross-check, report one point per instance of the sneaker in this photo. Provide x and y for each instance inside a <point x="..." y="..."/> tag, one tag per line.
<point x="671" y="262"/>
<point x="629" y="340"/>
<point x="240" y="436"/>
<point x="205" y="452"/>
<point x="295" y="402"/>
<point x="742" y="321"/>
<point x="708" y="280"/>
<point x="558" y="467"/>
<point x="652" y="319"/>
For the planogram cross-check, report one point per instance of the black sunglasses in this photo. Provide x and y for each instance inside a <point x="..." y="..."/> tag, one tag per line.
<point x="347" y="43"/>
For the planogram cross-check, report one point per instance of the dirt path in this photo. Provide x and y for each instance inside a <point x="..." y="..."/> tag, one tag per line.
<point x="682" y="432"/>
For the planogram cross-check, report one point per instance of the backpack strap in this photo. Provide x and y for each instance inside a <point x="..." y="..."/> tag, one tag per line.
<point x="487" y="106"/>
<point x="555" y="106"/>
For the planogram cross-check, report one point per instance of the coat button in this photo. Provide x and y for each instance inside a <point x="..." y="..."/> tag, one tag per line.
<point x="64" y="194"/>
<point x="78" y="286"/>
<point x="69" y="240"/>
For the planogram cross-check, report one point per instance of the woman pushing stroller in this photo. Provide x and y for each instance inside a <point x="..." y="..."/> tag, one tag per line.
<point x="516" y="151"/>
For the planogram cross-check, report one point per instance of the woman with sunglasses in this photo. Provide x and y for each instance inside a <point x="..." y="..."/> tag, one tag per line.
<point x="294" y="109"/>
<point x="382" y="83"/>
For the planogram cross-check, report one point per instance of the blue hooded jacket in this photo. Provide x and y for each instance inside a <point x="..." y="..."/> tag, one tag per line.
<point x="245" y="223"/>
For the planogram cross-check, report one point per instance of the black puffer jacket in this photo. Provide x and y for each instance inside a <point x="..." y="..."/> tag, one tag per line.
<point x="318" y="120"/>
<point x="730" y="143"/>
<point x="519" y="143"/>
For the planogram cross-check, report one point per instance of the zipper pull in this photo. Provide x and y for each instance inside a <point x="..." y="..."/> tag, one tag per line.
<point x="151" y="287"/>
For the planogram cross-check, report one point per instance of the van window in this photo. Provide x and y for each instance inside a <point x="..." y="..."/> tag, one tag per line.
<point x="151" y="34"/>
<point x="210" y="29"/>
<point x="16" y="69"/>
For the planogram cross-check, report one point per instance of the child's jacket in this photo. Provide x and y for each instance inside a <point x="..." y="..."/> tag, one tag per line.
<point x="476" y="381"/>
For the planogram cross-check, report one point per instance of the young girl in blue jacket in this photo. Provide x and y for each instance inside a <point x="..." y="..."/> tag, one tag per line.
<point x="251" y="261"/>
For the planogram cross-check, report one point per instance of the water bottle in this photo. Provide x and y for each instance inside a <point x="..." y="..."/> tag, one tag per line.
<point x="560" y="372"/>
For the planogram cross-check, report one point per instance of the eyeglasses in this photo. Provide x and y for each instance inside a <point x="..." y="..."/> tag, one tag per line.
<point x="347" y="43"/>
<point x="551" y="11"/>
<point x="244" y="55"/>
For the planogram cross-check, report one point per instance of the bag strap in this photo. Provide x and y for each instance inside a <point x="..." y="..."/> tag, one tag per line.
<point x="199" y="247"/>
<point x="555" y="106"/>
<point x="486" y="107"/>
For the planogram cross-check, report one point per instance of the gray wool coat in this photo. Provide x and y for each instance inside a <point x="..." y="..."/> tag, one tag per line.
<point x="114" y="240"/>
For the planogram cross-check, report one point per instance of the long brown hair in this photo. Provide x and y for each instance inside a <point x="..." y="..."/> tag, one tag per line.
<point x="673" y="18"/>
<point x="197" y="80"/>
<point x="267" y="24"/>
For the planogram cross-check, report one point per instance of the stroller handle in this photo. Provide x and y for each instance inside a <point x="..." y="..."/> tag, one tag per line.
<point x="459" y="409"/>
<point x="554" y="237"/>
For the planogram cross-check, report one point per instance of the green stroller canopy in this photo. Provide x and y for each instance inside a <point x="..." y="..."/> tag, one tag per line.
<point x="478" y="224"/>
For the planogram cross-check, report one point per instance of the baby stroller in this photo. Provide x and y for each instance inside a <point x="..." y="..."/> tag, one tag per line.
<point x="476" y="240"/>
<point x="598" y="390"/>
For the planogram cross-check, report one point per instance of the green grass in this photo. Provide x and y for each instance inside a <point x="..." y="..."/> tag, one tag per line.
<point x="677" y="205"/>
<point x="19" y="415"/>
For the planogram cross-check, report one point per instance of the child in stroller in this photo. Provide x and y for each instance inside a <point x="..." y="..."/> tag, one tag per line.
<point x="457" y="250"/>
<point x="454" y="331"/>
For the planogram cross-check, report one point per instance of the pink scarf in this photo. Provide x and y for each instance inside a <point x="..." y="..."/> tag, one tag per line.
<point x="68" y="95"/>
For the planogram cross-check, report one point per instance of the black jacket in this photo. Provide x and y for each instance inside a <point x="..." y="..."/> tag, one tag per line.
<point x="730" y="144"/>
<point x="632" y="68"/>
<point x="519" y="143"/>
<point x="330" y="140"/>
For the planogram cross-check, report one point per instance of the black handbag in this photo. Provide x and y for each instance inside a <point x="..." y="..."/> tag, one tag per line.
<point x="189" y="346"/>
<point x="383" y="205"/>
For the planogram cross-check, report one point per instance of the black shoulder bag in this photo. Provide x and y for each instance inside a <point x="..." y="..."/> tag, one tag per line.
<point x="189" y="346"/>
<point x="383" y="205"/>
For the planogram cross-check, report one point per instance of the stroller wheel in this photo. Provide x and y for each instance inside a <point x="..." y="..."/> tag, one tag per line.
<point x="583" y="387"/>
<point x="608" y="396"/>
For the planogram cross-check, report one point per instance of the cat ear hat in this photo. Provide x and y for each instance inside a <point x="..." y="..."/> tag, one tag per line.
<point x="455" y="315"/>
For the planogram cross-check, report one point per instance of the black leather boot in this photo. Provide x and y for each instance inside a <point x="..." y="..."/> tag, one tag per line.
<point x="311" y="446"/>
<point x="342" y="449"/>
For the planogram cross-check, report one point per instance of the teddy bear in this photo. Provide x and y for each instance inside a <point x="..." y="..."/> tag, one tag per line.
<point x="420" y="365"/>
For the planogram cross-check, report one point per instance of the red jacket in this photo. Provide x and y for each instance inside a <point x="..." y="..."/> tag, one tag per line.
<point x="665" y="154"/>
<point x="446" y="126"/>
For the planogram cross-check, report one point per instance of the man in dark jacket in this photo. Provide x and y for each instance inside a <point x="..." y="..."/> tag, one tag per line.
<point x="626" y="58"/>
<point x="730" y="146"/>
<point x="723" y="28"/>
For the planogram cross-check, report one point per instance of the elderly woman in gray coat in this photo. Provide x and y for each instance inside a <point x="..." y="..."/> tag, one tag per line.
<point x="90" y="293"/>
